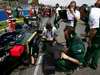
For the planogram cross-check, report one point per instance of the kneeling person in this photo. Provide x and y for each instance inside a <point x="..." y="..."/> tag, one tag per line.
<point x="74" y="56"/>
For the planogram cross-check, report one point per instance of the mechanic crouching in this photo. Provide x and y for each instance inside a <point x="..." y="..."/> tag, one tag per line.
<point x="58" y="57"/>
<point x="73" y="56"/>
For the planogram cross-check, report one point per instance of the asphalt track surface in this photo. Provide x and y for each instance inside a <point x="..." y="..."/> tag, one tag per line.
<point x="37" y="69"/>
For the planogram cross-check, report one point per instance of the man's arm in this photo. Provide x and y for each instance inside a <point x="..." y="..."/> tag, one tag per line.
<point x="92" y="33"/>
<point x="64" y="56"/>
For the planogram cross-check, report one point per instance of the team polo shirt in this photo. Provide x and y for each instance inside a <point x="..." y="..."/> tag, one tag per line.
<point x="94" y="17"/>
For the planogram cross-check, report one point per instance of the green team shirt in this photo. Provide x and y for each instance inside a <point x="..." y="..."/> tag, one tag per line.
<point x="77" y="48"/>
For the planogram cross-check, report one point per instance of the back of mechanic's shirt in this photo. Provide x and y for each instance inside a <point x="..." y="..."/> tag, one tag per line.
<point x="77" y="49"/>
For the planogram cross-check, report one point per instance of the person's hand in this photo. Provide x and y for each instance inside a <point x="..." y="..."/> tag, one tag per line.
<point x="64" y="56"/>
<point x="72" y="10"/>
<point x="1" y="59"/>
<point x="43" y="37"/>
<point x="50" y="39"/>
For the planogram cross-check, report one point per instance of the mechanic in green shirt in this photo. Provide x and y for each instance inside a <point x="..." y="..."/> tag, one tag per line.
<point x="74" y="56"/>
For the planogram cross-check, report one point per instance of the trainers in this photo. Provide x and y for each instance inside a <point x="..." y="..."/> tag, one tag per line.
<point x="94" y="67"/>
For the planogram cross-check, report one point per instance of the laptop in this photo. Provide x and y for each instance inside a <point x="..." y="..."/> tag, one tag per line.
<point x="63" y="14"/>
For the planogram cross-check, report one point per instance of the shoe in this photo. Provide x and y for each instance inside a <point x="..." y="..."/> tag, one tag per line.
<point x="94" y="67"/>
